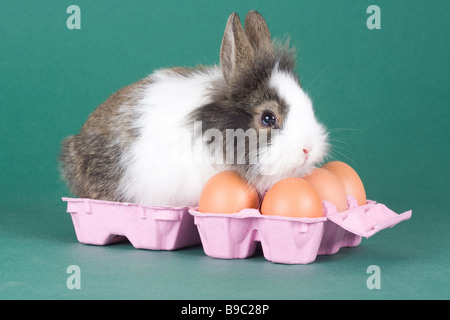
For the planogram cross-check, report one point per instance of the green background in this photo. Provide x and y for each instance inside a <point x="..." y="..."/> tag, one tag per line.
<point x="383" y="94"/>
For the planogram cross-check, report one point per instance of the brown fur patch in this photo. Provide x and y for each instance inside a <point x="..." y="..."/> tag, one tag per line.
<point x="187" y="71"/>
<point x="89" y="161"/>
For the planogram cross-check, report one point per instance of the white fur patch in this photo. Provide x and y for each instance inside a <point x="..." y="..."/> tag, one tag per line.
<point x="159" y="169"/>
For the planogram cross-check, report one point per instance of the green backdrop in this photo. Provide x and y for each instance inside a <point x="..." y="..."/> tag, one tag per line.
<point x="383" y="93"/>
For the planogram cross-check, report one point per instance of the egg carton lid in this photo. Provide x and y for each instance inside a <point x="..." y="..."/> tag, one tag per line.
<point x="368" y="219"/>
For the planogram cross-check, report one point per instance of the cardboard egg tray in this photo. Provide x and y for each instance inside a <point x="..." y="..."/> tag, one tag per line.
<point x="292" y="240"/>
<point x="230" y="236"/>
<point x="101" y="222"/>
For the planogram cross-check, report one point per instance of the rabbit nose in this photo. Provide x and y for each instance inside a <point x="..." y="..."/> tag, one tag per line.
<point x="305" y="151"/>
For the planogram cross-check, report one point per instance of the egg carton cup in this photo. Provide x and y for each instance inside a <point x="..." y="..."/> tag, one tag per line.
<point x="292" y="240"/>
<point x="99" y="222"/>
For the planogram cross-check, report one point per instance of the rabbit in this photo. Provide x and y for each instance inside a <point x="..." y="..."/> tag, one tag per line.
<point x="146" y="142"/>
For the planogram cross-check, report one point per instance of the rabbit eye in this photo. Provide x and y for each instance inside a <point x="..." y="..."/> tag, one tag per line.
<point x="268" y="119"/>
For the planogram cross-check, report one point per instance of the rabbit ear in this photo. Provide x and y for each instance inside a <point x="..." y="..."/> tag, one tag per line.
<point x="236" y="53"/>
<point x="257" y="31"/>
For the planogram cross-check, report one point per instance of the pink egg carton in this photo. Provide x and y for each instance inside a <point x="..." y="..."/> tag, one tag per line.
<point x="101" y="222"/>
<point x="229" y="236"/>
<point x="292" y="240"/>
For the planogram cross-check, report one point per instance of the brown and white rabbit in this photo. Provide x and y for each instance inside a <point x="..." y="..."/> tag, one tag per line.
<point x="145" y="144"/>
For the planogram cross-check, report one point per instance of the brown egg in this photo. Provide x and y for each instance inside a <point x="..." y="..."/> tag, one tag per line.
<point x="350" y="180"/>
<point x="292" y="197"/>
<point x="227" y="192"/>
<point x="329" y="187"/>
